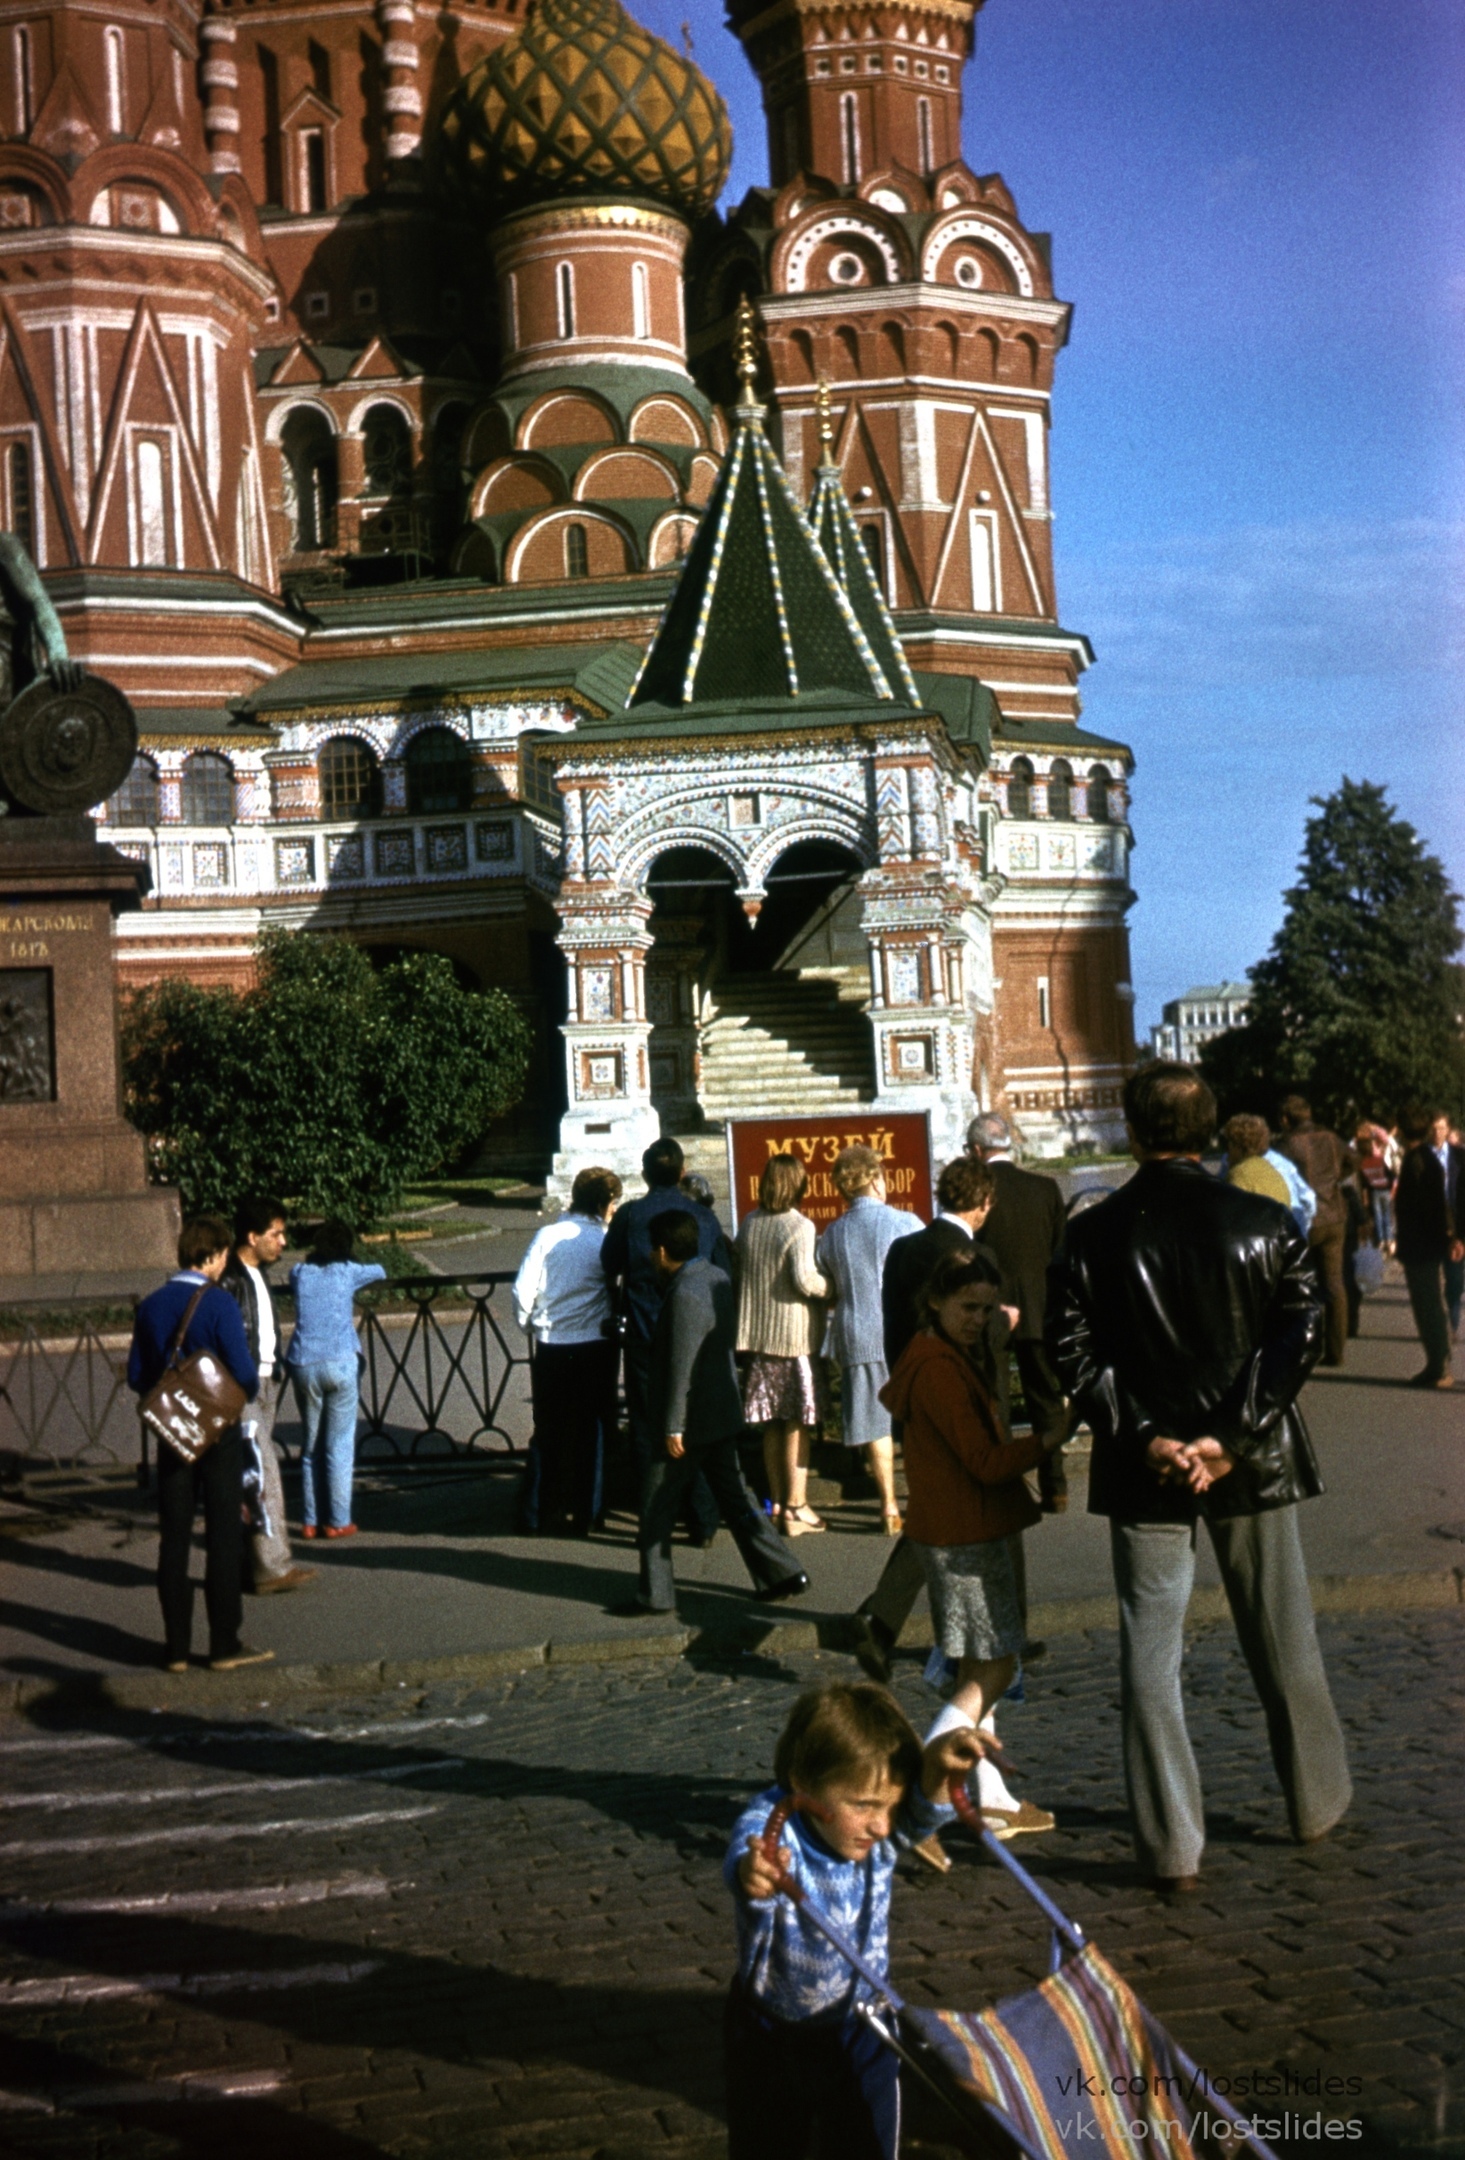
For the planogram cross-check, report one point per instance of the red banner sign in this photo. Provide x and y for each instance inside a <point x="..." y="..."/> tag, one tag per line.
<point x="903" y="1140"/>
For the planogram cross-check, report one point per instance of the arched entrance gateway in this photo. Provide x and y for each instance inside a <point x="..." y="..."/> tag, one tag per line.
<point x="774" y="882"/>
<point x="754" y="1006"/>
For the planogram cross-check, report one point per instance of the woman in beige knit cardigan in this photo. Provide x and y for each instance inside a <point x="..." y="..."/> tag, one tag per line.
<point x="781" y="1322"/>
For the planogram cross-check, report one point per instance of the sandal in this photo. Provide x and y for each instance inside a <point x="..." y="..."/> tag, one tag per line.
<point x="801" y="1521"/>
<point x="934" y="1853"/>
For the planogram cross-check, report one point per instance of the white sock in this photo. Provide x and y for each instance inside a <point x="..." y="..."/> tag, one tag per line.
<point x="992" y="1789"/>
<point x="948" y="1719"/>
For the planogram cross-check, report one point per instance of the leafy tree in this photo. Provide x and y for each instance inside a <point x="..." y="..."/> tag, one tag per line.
<point x="330" y="1082"/>
<point x="1357" y="1005"/>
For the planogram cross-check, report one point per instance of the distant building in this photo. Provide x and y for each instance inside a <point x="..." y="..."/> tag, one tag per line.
<point x="1197" y="1017"/>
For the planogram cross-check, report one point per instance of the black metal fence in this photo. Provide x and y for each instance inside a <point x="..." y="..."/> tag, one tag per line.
<point x="445" y="1377"/>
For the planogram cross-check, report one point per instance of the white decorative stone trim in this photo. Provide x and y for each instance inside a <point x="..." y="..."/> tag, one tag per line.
<point x="966" y="227"/>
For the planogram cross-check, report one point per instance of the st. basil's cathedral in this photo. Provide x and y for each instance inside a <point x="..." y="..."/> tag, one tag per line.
<point x="509" y="554"/>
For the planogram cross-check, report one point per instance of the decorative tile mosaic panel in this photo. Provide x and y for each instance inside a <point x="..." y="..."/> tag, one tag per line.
<point x="661" y="1000"/>
<point x="600" y="1073"/>
<point x="447" y="847"/>
<point x="890" y="812"/>
<point x="346" y="856"/>
<point x="171" y="863"/>
<point x="1062" y="854"/>
<point x="210" y="863"/>
<point x="903" y="973"/>
<point x="1022" y="851"/>
<point x="1099" y="855"/>
<point x="134" y="850"/>
<point x="742" y="810"/>
<point x="912" y="1056"/>
<point x="597" y="993"/>
<point x="494" y="843"/>
<point x="395" y="855"/>
<point x="295" y="862"/>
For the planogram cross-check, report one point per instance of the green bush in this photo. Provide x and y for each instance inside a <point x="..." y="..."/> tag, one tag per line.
<point x="331" y="1083"/>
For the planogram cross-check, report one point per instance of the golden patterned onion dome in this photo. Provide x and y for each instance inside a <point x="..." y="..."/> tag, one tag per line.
<point x="585" y="102"/>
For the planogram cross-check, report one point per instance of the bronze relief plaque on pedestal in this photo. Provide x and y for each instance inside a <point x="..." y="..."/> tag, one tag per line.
<point x="27" y="1035"/>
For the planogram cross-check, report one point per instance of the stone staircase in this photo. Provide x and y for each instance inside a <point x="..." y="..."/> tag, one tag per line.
<point x="780" y="1040"/>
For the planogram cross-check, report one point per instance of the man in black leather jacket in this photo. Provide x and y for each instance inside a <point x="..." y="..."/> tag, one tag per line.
<point x="1183" y="1318"/>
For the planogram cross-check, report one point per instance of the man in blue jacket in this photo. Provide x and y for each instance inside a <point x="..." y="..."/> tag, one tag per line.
<point x="218" y="1476"/>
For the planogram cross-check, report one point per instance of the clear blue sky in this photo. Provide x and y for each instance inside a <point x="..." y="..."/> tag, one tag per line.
<point x="1258" y="211"/>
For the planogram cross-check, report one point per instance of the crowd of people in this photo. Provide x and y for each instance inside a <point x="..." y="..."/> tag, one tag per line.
<point x="1391" y="1193"/>
<point x="931" y="1328"/>
<point x="1178" y="1315"/>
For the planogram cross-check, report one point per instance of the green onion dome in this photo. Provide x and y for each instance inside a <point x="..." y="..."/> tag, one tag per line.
<point x="585" y="102"/>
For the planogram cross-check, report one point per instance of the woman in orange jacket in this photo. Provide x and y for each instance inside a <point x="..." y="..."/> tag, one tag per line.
<point x="967" y="1507"/>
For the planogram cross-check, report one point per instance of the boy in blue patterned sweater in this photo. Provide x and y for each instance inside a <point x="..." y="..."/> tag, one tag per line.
<point x="804" y="2073"/>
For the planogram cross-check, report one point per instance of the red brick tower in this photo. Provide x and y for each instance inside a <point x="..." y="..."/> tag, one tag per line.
<point x="131" y="296"/>
<point x="880" y="262"/>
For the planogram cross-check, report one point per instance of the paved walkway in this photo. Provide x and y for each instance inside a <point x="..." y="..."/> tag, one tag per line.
<point x="438" y="1572"/>
<point x="487" y="1922"/>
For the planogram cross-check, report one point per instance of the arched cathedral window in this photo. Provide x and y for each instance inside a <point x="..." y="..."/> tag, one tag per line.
<point x="350" y="779"/>
<point x="439" y="772"/>
<point x="208" y="790"/>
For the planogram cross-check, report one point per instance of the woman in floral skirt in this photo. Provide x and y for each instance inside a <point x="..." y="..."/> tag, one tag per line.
<point x="780" y="1323"/>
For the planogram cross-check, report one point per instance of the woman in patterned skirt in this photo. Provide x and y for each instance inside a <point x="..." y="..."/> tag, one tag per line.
<point x="780" y="1322"/>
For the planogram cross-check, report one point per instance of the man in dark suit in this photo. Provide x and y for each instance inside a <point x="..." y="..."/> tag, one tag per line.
<point x="963" y="1200"/>
<point x="636" y="1291"/>
<point x="1429" y="1214"/>
<point x="695" y="1413"/>
<point x="1023" y="1232"/>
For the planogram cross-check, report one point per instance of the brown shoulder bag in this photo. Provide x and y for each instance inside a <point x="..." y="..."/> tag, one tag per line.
<point x="193" y="1405"/>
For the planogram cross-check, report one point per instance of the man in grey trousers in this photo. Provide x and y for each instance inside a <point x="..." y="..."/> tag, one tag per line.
<point x="1183" y="1318"/>
<point x="696" y="1414"/>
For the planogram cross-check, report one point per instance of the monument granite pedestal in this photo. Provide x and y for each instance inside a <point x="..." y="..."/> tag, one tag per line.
<point x="77" y="1213"/>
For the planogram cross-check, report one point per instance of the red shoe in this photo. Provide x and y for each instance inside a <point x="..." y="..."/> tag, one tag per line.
<point x="346" y="1529"/>
<point x="309" y="1530"/>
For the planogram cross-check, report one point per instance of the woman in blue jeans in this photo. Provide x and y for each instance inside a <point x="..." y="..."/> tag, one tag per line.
<point x="322" y="1362"/>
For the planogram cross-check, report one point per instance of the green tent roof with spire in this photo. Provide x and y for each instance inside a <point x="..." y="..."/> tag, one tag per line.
<point x="758" y="615"/>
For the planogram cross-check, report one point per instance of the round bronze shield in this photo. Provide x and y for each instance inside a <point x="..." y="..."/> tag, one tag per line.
<point x="64" y="750"/>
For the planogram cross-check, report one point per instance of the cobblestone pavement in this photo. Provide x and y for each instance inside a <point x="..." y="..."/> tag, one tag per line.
<point x="491" y="1923"/>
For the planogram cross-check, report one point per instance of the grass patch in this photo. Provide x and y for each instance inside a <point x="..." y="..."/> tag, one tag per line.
<point x="477" y="1191"/>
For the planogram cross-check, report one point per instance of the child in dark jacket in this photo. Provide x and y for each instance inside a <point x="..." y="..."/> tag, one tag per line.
<point x="802" y="2068"/>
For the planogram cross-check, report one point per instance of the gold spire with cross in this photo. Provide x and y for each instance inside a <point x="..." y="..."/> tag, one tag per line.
<point x="745" y="355"/>
<point x="825" y="412"/>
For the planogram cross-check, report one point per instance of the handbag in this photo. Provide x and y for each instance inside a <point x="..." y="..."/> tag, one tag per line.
<point x="193" y="1405"/>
